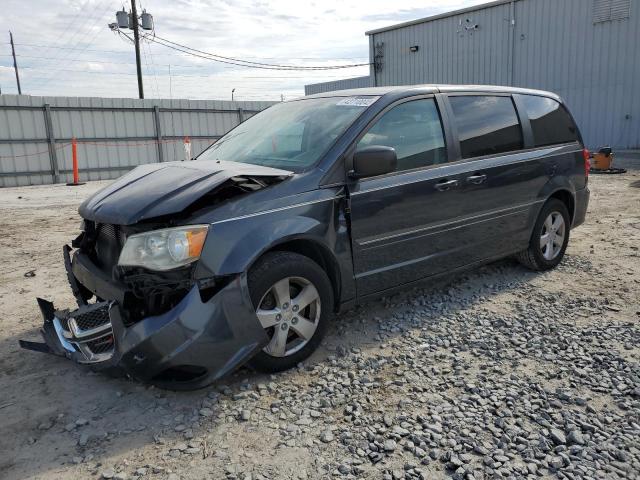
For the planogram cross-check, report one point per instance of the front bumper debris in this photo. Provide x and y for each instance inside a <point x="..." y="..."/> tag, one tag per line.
<point x="84" y="335"/>
<point x="190" y="346"/>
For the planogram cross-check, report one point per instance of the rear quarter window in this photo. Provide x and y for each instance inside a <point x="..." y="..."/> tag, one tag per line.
<point x="550" y="121"/>
<point x="487" y="125"/>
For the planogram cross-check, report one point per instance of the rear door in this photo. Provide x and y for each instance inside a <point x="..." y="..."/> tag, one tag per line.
<point x="398" y="220"/>
<point x="499" y="177"/>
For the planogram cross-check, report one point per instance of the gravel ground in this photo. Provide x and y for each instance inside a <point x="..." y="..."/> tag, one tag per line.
<point x="498" y="373"/>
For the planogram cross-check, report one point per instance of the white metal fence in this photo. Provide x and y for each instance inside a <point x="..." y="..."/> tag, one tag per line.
<point x="113" y="134"/>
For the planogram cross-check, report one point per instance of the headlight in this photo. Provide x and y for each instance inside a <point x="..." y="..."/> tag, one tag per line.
<point x="164" y="249"/>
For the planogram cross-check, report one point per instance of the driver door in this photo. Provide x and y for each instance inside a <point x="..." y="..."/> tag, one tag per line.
<point x="397" y="219"/>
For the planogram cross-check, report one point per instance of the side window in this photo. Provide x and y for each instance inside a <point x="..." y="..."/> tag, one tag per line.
<point x="550" y="121"/>
<point x="414" y="130"/>
<point x="487" y="125"/>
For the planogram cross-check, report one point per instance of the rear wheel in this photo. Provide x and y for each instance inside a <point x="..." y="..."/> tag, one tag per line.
<point x="549" y="239"/>
<point x="293" y="299"/>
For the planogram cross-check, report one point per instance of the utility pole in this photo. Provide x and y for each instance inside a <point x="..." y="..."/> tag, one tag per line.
<point x="131" y="21"/>
<point x="15" y="64"/>
<point x="136" y="41"/>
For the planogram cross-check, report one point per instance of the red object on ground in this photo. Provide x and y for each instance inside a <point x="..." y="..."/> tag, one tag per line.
<point x="74" y="155"/>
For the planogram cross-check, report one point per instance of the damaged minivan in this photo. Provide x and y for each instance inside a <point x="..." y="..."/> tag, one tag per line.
<point x="184" y="271"/>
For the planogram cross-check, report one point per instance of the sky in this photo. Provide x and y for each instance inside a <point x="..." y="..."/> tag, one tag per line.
<point x="64" y="47"/>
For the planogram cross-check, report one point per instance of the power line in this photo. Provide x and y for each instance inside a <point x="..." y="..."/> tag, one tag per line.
<point x="152" y="68"/>
<point x="149" y="70"/>
<point x="257" y="64"/>
<point x="212" y="75"/>
<point x="96" y="21"/>
<point x="146" y="62"/>
<point x="239" y="62"/>
<point x="98" y="50"/>
<point x="84" y="60"/>
<point x="265" y="66"/>
<point x="122" y="52"/>
<point x="75" y="29"/>
<point x="73" y="70"/>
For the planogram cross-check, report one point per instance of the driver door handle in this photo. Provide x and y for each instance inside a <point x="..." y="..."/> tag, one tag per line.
<point x="446" y="185"/>
<point x="477" y="179"/>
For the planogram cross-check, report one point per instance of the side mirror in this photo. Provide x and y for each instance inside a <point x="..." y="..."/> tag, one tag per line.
<point x="374" y="160"/>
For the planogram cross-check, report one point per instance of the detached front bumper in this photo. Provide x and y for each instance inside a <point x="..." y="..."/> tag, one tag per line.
<point x="190" y="346"/>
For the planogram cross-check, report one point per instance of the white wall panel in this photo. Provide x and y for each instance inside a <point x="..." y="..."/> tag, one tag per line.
<point x="114" y="134"/>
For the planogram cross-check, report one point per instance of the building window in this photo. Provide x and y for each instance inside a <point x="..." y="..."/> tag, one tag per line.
<point x="607" y="10"/>
<point x="486" y="125"/>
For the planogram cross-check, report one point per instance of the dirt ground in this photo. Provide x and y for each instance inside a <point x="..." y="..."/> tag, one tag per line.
<point x="58" y="420"/>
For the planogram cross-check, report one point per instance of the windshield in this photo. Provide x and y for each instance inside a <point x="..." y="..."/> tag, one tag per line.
<point x="292" y="135"/>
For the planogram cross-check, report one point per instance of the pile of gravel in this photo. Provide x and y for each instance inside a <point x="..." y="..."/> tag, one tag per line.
<point x="545" y="385"/>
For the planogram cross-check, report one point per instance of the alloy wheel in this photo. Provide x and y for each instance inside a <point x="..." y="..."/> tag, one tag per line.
<point x="289" y="312"/>
<point x="552" y="236"/>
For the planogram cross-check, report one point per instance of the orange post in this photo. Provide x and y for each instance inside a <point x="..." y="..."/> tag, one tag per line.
<point x="74" y="157"/>
<point x="74" y="154"/>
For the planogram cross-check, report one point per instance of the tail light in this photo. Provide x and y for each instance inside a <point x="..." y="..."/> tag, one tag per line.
<point x="587" y="161"/>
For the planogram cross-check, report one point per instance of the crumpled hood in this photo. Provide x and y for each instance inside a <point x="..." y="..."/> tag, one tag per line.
<point x="155" y="190"/>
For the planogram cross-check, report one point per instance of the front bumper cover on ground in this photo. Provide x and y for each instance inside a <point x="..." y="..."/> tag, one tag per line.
<point x="193" y="344"/>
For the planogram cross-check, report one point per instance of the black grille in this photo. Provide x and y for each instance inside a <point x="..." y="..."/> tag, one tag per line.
<point x="89" y="329"/>
<point x="92" y="319"/>
<point x="109" y="242"/>
<point x="101" y="345"/>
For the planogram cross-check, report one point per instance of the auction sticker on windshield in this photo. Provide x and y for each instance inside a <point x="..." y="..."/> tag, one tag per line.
<point x="357" y="101"/>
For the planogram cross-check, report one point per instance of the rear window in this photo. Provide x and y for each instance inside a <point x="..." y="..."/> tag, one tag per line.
<point x="487" y="125"/>
<point x="550" y="122"/>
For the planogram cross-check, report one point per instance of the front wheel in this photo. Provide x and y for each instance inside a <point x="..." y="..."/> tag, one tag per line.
<point x="293" y="299"/>
<point x="549" y="239"/>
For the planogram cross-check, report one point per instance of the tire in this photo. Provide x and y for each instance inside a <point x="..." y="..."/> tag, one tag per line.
<point x="268" y="281"/>
<point x="538" y="257"/>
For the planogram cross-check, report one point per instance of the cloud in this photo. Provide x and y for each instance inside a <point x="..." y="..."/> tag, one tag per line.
<point x="402" y="15"/>
<point x="65" y="47"/>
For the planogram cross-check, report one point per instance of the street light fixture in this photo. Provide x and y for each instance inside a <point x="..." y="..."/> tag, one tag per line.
<point x="232" y="90"/>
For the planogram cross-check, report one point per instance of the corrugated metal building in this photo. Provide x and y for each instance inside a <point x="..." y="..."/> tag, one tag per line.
<point x="345" y="84"/>
<point x="587" y="51"/>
